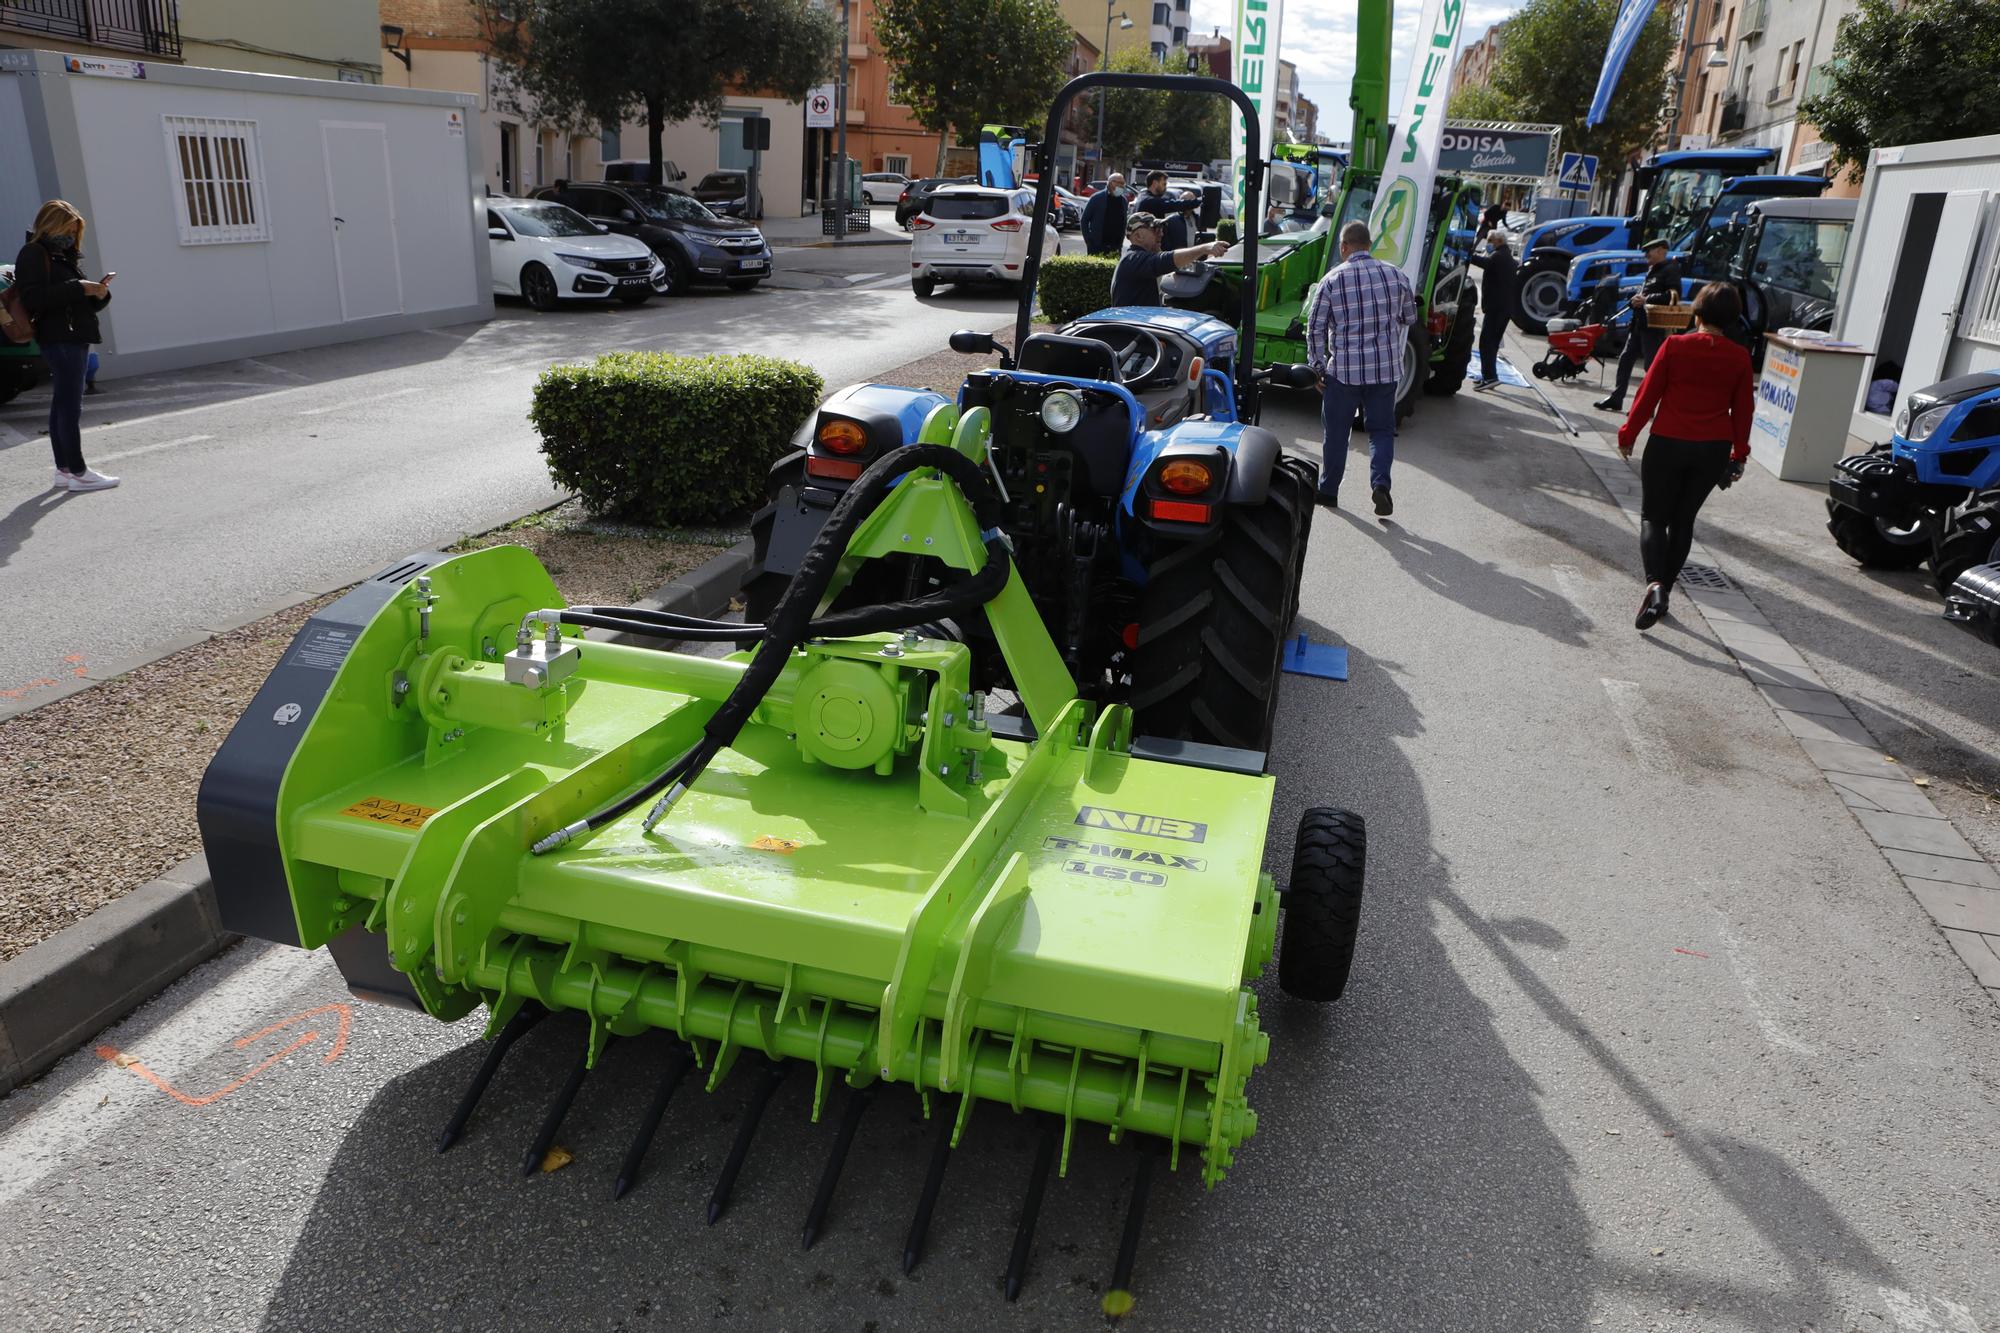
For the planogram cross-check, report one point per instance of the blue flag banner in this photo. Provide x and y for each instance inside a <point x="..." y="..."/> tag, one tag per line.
<point x="1632" y="16"/>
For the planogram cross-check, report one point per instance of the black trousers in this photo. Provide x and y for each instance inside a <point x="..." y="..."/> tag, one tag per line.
<point x="1640" y="346"/>
<point x="1490" y="333"/>
<point x="1676" y="476"/>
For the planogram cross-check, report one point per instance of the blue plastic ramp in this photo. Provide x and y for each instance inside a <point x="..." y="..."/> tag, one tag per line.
<point x="1303" y="657"/>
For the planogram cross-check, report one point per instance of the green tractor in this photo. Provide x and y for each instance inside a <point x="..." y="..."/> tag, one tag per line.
<point x="837" y="856"/>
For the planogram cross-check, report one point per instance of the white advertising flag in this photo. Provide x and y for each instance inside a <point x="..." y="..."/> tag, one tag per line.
<point x="1259" y="24"/>
<point x="1400" y="220"/>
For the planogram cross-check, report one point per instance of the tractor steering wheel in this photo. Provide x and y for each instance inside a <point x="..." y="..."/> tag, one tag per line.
<point x="1136" y="353"/>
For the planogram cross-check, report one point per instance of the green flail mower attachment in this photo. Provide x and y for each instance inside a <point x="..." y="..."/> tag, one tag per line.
<point x="825" y="851"/>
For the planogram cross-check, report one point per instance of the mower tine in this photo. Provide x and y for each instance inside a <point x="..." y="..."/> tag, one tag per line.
<point x="850" y="1121"/>
<point x="913" y="1247"/>
<point x="1031" y="1208"/>
<point x="557" y="1110"/>
<point x="1135" y="1218"/>
<point x="677" y="1067"/>
<point x="760" y="1097"/>
<point x="527" y="1017"/>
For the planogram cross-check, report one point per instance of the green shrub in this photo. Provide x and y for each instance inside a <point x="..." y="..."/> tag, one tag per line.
<point x="665" y="439"/>
<point x="1225" y="231"/>
<point x="1071" y="286"/>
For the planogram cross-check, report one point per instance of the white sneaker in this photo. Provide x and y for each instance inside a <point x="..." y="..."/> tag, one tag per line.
<point x="62" y="480"/>
<point x="91" y="480"/>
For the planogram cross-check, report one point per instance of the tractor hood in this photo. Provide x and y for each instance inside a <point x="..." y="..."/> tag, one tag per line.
<point x="1954" y="390"/>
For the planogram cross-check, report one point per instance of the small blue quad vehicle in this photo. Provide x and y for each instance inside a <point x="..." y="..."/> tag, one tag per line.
<point x="1159" y="530"/>
<point x="1933" y="492"/>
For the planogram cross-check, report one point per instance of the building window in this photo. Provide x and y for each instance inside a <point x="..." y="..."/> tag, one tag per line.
<point x="541" y="175"/>
<point x="1981" y="321"/>
<point x="1160" y="52"/>
<point x="899" y="163"/>
<point x="895" y="92"/>
<point x="1162" y="16"/>
<point x="218" y="178"/>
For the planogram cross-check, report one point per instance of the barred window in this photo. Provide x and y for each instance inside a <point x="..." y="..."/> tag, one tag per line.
<point x="1981" y="318"/>
<point x="219" y="179"/>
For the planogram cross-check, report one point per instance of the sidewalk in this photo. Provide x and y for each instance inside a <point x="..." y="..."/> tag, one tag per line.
<point x="799" y="233"/>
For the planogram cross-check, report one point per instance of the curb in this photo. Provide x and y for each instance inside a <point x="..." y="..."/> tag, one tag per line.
<point x="60" y="993"/>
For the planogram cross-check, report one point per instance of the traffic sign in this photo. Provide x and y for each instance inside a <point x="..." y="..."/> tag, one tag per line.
<point x="1579" y="172"/>
<point x="819" y="108"/>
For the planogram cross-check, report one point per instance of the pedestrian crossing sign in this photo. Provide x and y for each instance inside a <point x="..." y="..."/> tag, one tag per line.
<point x="1579" y="172"/>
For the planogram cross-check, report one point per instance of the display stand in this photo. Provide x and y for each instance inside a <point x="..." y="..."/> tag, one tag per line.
<point x="1805" y="401"/>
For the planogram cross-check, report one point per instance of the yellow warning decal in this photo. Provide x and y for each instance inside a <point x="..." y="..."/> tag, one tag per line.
<point x="767" y="843"/>
<point x="382" y="810"/>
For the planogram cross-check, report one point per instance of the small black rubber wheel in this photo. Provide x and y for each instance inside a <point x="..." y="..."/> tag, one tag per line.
<point x="538" y="287"/>
<point x="639" y="297"/>
<point x="1323" y="904"/>
<point x="1875" y="543"/>
<point x="1970" y="536"/>
<point x="925" y="288"/>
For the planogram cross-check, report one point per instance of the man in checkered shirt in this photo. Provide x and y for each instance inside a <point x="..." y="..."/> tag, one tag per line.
<point x="1360" y="321"/>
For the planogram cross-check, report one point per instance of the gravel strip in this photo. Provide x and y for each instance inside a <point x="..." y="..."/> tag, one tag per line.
<point x="97" y="790"/>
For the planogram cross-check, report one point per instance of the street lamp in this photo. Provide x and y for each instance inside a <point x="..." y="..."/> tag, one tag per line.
<point x="1104" y="63"/>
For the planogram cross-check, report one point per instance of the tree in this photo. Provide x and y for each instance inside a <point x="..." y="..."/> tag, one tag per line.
<point x="1548" y="67"/>
<point x="1192" y="127"/>
<point x="604" y="62"/>
<point x="1480" y="101"/>
<point x="1910" y="74"/>
<point x="961" y="64"/>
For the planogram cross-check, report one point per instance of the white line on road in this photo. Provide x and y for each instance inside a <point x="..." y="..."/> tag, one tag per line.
<point x="46" y="1136"/>
<point x="154" y="448"/>
<point x="363" y="402"/>
<point x="275" y="370"/>
<point x="882" y="283"/>
<point x="1746" y="976"/>
<point x="1629" y="702"/>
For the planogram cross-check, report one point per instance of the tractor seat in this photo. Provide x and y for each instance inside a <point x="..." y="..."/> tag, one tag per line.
<point x="1071" y="358"/>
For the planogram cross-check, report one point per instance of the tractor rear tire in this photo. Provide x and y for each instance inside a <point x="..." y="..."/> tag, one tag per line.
<point x="1448" y="375"/>
<point x="1415" y="368"/>
<point x="1302" y="477"/>
<point x="1212" y="625"/>
<point x="1864" y="539"/>
<point x="1323" y="904"/>
<point x="1971" y="536"/>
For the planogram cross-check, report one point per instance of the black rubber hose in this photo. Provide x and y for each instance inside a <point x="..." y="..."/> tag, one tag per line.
<point x="791" y="621"/>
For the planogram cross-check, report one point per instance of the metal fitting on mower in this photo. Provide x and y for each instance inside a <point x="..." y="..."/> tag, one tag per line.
<point x="538" y="663"/>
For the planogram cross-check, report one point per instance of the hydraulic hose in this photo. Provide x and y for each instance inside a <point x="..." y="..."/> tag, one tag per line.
<point x="791" y="622"/>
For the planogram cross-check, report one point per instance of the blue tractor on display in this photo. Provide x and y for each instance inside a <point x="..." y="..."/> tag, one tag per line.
<point x="1931" y="494"/>
<point x="1679" y="190"/>
<point x="1158" y="529"/>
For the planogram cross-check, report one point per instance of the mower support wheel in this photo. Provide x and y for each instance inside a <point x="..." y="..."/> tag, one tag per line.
<point x="1871" y="544"/>
<point x="1970" y="536"/>
<point x="1323" y="904"/>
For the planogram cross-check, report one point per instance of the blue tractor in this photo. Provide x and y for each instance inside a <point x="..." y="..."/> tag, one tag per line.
<point x="1680" y="187"/>
<point x="1932" y="493"/>
<point x="1158" y="529"/>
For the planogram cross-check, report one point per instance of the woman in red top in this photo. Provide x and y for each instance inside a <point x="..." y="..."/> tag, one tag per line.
<point x="1699" y="387"/>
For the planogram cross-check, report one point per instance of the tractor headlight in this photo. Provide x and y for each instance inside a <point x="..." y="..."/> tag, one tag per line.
<point x="1927" y="423"/>
<point x="1903" y="422"/>
<point x="1061" y="411"/>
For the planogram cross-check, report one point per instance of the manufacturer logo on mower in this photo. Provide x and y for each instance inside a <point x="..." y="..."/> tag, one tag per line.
<point x="1112" y="852"/>
<point x="1152" y="826"/>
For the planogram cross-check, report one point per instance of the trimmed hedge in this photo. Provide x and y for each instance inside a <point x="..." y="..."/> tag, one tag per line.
<point x="667" y="440"/>
<point x="1071" y="286"/>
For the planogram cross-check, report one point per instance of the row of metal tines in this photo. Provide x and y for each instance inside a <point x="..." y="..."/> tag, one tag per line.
<point x="771" y="1075"/>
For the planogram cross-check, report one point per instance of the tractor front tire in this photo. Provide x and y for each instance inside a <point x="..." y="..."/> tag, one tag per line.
<point x="1448" y="374"/>
<point x="1539" y="295"/>
<point x="1871" y="545"/>
<point x="1212" y="623"/>
<point x="1971" y="536"/>
<point x="1415" y="369"/>
<point x="1323" y="904"/>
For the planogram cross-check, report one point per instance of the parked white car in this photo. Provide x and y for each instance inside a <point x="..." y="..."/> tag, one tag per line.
<point x="884" y="187"/>
<point x="974" y="233"/>
<point x="547" y="253"/>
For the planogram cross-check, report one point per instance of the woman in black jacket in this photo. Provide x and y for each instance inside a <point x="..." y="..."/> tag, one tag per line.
<point x="63" y="306"/>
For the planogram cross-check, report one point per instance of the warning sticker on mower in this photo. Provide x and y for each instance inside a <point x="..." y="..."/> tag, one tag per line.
<point x="1112" y="852"/>
<point x="382" y="810"/>
<point x="1152" y="826"/>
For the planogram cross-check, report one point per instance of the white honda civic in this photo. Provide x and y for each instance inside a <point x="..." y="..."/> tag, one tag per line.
<point x="547" y="253"/>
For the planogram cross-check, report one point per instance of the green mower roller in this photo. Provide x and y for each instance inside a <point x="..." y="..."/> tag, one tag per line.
<point x="827" y="852"/>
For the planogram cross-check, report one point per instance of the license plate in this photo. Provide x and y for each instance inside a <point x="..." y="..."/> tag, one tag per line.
<point x="960" y="238"/>
<point x="753" y="263"/>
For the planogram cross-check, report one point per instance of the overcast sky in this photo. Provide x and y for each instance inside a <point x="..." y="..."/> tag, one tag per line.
<point x="1319" y="39"/>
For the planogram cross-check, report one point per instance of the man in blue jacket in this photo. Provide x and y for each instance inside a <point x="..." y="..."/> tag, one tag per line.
<point x="1104" y="218"/>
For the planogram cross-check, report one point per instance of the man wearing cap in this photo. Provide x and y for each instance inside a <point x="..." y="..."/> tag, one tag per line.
<point x="1136" y="280"/>
<point x="1662" y="287"/>
<point x="1104" y="217"/>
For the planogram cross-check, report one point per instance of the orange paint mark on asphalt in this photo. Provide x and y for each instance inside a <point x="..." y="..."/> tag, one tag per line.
<point x="346" y="1018"/>
<point x="22" y="692"/>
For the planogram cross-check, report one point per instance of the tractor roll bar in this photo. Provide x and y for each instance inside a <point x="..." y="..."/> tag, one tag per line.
<point x="1247" y="225"/>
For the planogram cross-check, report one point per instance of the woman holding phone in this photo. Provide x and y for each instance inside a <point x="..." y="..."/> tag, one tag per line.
<point x="63" y="306"/>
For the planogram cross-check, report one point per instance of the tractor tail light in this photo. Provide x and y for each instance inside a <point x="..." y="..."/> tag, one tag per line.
<point x="1186" y="477"/>
<point x="1180" y="511"/>
<point x="843" y="437"/>
<point x="1440" y="323"/>
<point x="833" y="469"/>
<point x="1007" y="224"/>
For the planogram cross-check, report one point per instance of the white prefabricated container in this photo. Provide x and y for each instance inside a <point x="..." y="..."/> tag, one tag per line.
<point x="247" y="213"/>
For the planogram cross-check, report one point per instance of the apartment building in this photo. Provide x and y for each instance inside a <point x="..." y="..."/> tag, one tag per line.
<point x="1476" y="62"/>
<point x="328" y="39"/>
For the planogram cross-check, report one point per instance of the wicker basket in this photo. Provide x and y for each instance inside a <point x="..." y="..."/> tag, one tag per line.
<point x="1671" y="318"/>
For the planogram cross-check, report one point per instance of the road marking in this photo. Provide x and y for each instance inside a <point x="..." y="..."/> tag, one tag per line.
<point x="1927" y="1314"/>
<point x="881" y="283"/>
<point x="1753" y="991"/>
<point x="1629" y="702"/>
<point x="9" y="436"/>
<point x="346" y="1020"/>
<point x="47" y="1135"/>
<point x="122" y="402"/>
<point x="154" y="448"/>
<point x="371" y="398"/>
<point x="276" y="370"/>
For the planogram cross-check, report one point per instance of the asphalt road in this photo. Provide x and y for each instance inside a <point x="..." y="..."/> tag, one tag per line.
<point x="250" y="484"/>
<point x="1643" y="1033"/>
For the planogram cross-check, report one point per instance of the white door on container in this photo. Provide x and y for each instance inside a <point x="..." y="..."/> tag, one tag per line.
<point x="362" y="212"/>
<point x="1944" y="285"/>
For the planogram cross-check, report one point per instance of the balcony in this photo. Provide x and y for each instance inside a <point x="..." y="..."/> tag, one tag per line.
<point x="1756" y="14"/>
<point x="142" y="27"/>
<point x="1732" y="116"/>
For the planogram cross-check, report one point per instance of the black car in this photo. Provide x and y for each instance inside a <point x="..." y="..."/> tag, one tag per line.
<point x="728" y="192"/>
<point x="920" y="192"/>
<point x="697" y="246"/>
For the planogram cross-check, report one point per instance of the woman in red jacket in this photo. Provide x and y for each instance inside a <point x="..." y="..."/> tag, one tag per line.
<point x="1697" y="395"/>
